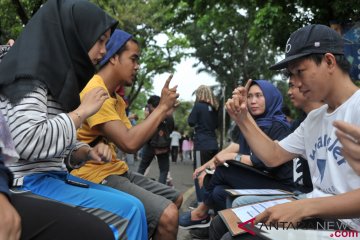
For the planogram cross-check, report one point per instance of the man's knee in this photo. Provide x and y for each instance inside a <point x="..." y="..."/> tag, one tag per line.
<point x="170" y="216"/>
<point x="179" y="201"/>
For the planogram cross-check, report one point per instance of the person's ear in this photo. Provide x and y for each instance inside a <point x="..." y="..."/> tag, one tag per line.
<point x="114" y="59"/>
<point x="329" y="59"/>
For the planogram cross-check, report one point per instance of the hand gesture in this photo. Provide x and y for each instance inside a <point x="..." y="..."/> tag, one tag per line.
<point x="349" y="137"/>
<point x="210" y="164"/>
<point x="10" y="221"/>
<point x="198" y="171"/>
<point x="169" y="96"/>
<point x="237" y="105"/>
<point x="10" y="42"/>
<point x="92" y="101"/>
<point x="100" y="153"/>
<point x="288" y="212"/>
<point x="220" y="159"/>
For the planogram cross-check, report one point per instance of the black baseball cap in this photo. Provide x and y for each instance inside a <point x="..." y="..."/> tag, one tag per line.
<point x="308" y="40"/>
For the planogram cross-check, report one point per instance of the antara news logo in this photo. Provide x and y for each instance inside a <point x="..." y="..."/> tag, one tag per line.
<point x="336" y="229"/>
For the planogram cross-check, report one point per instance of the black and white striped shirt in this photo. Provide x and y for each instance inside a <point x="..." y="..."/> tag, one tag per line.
<point x="43" y="134"/>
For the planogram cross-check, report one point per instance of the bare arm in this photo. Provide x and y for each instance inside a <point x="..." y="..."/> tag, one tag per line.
<point x="10" y="221"/>
<point x="263" y="147"/>
<point x="229" y="152"/>
<point x="130" y="140"/>
<point x="345" y="205"/>
<point x="100" y="153"/>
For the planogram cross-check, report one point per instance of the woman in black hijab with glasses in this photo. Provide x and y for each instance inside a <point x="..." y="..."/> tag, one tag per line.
<point x="41" y="77"/>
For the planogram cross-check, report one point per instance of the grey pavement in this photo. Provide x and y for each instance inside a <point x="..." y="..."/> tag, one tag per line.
<point x="181" y="173"/>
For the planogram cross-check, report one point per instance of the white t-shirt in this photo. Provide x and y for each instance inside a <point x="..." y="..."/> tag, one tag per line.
<point x="175" y="138"/>
<point x="316" y="141"/>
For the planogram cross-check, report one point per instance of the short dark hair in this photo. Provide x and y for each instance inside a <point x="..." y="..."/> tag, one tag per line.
<point x="341" y="61"/>
<point x="154" y="100"/>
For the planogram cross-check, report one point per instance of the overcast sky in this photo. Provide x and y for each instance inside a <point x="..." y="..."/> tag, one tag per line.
<point x="186" y="78"/>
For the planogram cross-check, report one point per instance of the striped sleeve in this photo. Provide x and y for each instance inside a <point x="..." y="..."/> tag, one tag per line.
<point x="39" y="129"/>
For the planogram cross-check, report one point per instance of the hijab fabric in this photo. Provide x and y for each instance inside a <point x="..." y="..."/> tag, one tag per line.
<point x="273" y="105"/>
<point x="53" y="49"/>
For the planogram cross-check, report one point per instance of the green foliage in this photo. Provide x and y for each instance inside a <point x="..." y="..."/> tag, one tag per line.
<point x="144" y="19"/>
<point x="14" y="15"/>
<point x="181" y="115"/>
<point x="234" y="40"/>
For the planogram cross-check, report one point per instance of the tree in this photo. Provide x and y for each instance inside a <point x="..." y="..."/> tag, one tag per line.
<point x="141" y="18"/>
<point x="236" y="40"/>
<point x="181" y="115"/>
<point x="144" y="20"/>
<point x="277" y="19"/>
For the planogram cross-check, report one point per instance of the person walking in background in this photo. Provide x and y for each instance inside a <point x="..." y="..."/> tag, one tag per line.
<point x="204" y="119"/>
<point x="150" y="150"/>
<point x="175" y="144"/>
<point x="186" y="148"/>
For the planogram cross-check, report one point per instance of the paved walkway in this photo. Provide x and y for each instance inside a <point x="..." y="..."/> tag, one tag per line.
<point x="181" y="173"/>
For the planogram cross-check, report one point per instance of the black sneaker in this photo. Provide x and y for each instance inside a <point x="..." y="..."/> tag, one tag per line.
<point x="185" y="221"/>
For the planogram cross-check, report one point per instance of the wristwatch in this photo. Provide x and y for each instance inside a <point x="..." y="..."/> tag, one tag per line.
<point x="238" y="157"/>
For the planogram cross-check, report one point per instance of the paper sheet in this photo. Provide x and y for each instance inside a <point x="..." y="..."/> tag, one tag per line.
<point x="245" y="213"/>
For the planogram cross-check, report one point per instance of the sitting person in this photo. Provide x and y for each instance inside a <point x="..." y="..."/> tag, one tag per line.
<point x="316" y="64"/>
<point x="302" y="177"/>
<point x="111" y="125"/>
<point x="36" y="91"/>
<point x="264" y="102"/>
<point x="301" y="167"/>
<point x="19" y="209"/>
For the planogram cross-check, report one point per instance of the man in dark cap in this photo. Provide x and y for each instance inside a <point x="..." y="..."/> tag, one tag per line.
<point x="111" y="125"/>
<point x="315" y="63"/>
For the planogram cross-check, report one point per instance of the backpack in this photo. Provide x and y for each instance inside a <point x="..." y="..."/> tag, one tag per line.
<point x="161" y="140"/>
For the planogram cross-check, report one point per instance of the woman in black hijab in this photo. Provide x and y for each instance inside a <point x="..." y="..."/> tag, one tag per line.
<point x="41" y="76"/>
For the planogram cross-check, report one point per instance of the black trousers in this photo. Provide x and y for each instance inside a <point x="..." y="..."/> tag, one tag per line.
<point x="148" y="155"/>
<point x="47" y="219"/>
<point x="174" y="153"/>
<point x="200" y="158"/>
<point x="237" y="177"/>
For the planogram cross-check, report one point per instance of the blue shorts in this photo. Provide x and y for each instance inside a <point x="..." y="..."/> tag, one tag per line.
<point x="124" y="213"/>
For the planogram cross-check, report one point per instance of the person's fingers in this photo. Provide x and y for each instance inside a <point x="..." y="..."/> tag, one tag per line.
<point x="177" y="103"/>
<point x="11" y="42"/>
<point x="247" y="85"/>
<point x="167" y="82"/>
<point x="173" y="89"/>
<point x="350" y="148"/>
<point x="229" y="107"/>
<point x="349" y="129"/>
<point x="349" y="144"/>
<point x="236" y="103"/>
<point x="94" y="156"/>
<point x="262" y="217"/>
